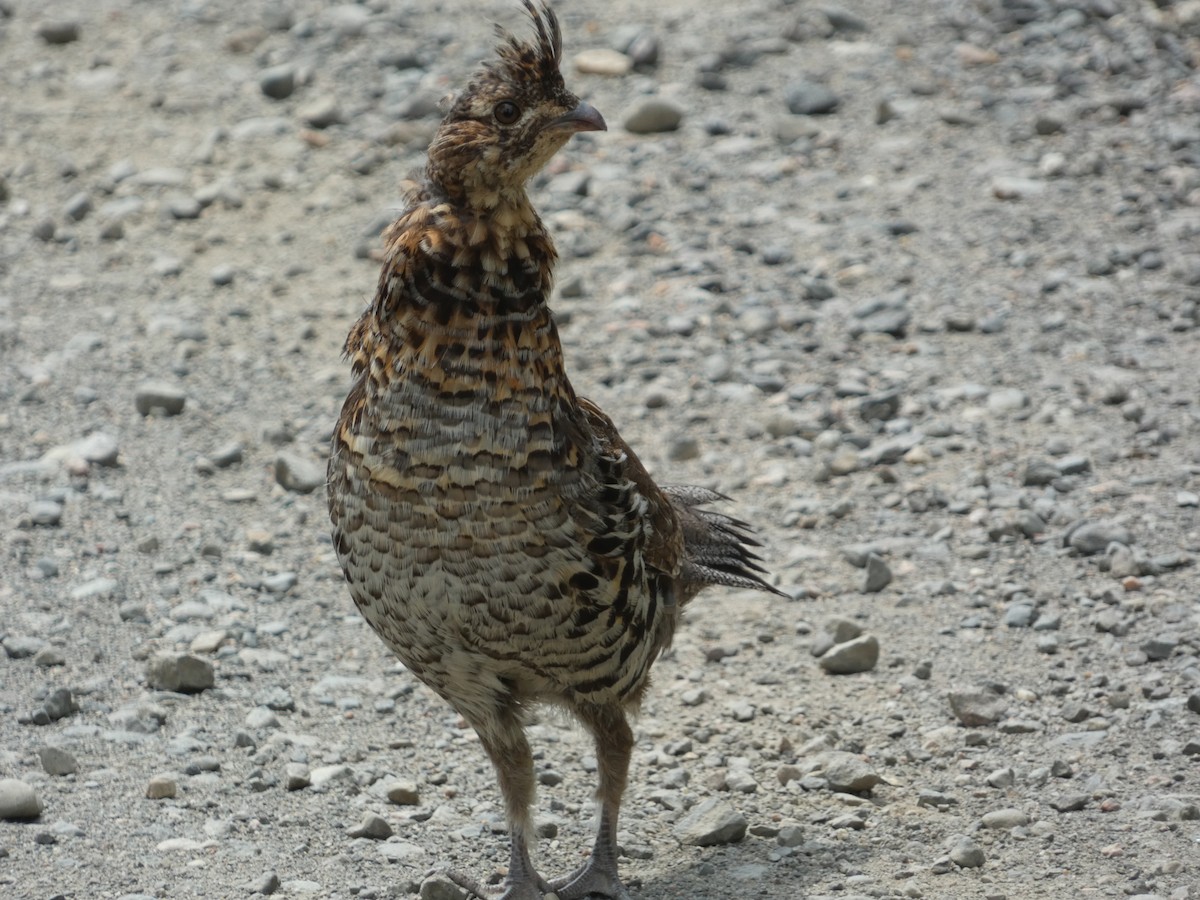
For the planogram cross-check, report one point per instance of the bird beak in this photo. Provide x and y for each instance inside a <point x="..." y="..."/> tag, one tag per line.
<point x="584" y="117"/>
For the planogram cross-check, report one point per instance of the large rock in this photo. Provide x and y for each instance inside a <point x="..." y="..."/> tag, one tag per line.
<point x="180" y="672"/>
<point x="298" y="474"/>
<point x="712" y="822"/>
<point x="975" y="708"/>
<point x="845" y="772"/>
<point x="858" y="655"/>
<point x="1094" y="537"/>
<point x="18" y="800"/>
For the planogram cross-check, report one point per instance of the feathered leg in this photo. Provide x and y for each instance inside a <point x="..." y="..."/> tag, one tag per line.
<point x="614" y="745"/>
<point x="503" y="739"/>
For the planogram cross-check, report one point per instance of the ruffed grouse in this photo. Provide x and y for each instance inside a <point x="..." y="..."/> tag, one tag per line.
<point x="494" y="528"/>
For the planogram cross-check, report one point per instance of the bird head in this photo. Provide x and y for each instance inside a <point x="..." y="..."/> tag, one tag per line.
<point x="512" y="118"/>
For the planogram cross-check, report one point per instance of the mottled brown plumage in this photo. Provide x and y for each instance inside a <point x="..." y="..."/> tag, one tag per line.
<point x="494" y="528"/>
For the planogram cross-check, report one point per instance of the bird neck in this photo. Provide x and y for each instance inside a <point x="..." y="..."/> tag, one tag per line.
<point x="461" y="310"/>
<point x="462" y="276"/>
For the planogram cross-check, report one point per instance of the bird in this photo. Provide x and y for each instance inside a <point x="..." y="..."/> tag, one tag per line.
<point x="494" y="528"/>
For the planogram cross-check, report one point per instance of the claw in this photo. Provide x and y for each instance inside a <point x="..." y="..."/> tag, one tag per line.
<point x="520" y="889"/>
<point x="593" y="879"/>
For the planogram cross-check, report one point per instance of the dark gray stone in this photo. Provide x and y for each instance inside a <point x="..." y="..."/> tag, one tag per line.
<point x="277" y="82"/>
<point x="807" y="98"/>
<point x="58" y="31"/>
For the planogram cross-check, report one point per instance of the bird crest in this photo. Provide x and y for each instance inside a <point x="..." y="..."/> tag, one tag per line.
<point x="538" y="59"/>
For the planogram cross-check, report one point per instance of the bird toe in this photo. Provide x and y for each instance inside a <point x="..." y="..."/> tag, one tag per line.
<point x="511" y="889"/>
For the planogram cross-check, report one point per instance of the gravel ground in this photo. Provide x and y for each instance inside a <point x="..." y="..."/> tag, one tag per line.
<point x="917" y="284"/>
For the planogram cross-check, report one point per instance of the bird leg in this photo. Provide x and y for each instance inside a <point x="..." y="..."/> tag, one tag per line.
<point x="614" y="745"/>
<point x="503" y="738"/>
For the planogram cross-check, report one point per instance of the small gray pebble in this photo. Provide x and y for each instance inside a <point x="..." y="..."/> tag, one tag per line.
<point x="1005" y="818"/>
<point x="58" y="31"/>
<point x="842" y="19"/>
<point x="156" y="396"/>
<point x="1095" y="536"/>
<point x="226" y="455"/>
<point x="373" y="826"/>
<point x="842" y="629"/>
<point x="56" y="761"/>
<point x="222" y="275"/>
<point x="322" y="112"/>
<point x="60" y="704"/>
<point x="975" y="708"/>
<point x="406" y="793"/>
<point x="1071" y="802"/>
<point x="278" y="82"/>
<point x="858" y="655"/>
<point x="298" y="473"/>
<point x="161" y="787"/>
<point x="653" y="115"/>
<point x="296" y="777"/>
<point x="966" y="854"/>
<point x="643" y="50"/>
<point x="48" y="657"/>
<point x="1160" y="647"/>
<point x="1002" y="778"/>
<point x="682" y="449"/>
<point x="1073" y="465"/>
<point x="844" y="772"/>
<point x="78" y="207"/>
<point x="790" y="836"/>
<point x="439" y="887"/>
<point x="45" y="512"/>
<point x="18" y="646"/>
<point x="183" y="206"/>
<point x="878" y="575"/>
<point x="1019" y="615"/>
<point x="266" y="885"/>
<point x="280" y="583"/>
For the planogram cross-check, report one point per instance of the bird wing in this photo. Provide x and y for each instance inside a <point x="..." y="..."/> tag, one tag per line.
<point x="627" y="494"/>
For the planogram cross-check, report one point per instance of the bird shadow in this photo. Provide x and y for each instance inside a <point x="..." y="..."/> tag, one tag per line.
<point x="752" y="868"/>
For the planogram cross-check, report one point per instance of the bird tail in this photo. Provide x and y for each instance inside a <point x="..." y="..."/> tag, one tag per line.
<point x="716" y="547"/>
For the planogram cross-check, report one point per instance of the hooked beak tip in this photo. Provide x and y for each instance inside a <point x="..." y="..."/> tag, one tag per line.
<point x="583" y="117"/>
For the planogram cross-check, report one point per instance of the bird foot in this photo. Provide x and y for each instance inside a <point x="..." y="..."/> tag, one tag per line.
<point x="591" y="880"/>
<point x="518" y="889"/>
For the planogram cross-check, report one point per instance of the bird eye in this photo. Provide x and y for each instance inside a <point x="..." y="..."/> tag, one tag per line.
<point x="506" y="112"/>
